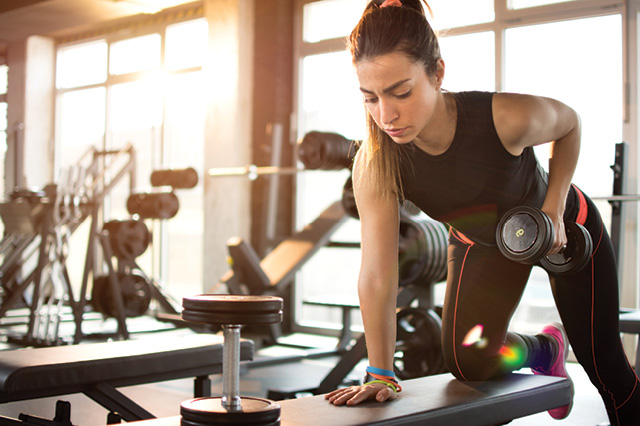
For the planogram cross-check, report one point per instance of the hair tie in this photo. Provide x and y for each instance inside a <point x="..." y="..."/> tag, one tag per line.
<point x="386" y="3"/>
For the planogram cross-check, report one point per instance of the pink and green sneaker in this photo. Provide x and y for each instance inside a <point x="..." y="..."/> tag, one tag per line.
<point x="558" y="366"/>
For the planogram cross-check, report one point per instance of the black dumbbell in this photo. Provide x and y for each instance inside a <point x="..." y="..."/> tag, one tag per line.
<point x="231" y="312"/>
<point x="525" y="235"/>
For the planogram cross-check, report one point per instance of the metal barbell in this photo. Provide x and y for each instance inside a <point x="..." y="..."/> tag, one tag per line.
<point x="316" y="151"/>
<point x="626" y="197"/>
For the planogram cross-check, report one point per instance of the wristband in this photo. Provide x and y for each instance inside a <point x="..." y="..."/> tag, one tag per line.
<point x="389" y="381"/>
<point x="380" y="371"/>
<point x="391" y="385"/>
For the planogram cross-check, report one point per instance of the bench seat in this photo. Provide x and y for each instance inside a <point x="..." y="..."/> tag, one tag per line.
<point x="438" y="400"/>
<point x="96" y="369"/>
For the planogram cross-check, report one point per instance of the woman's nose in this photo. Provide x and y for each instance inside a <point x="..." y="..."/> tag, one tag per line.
<point x="388" y="113"/>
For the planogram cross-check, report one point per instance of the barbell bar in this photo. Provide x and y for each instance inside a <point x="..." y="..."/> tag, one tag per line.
<point x="627" y="197"/>
<point x="253" y="171"/>
<point x="316" y="151"/>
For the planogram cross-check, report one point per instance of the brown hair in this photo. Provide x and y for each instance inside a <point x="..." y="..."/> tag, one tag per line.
<point x="383" y="30"/>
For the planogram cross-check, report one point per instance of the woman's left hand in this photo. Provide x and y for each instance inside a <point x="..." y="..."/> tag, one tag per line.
<point x="560" y="234"/>
<point x="354" y="395"/>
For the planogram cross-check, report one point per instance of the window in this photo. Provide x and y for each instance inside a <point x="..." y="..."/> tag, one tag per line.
<point x="135" y="54"/>
<point x="144" y="90"/>
<point x="467" y="52"/>
<point x="342" y="14"/>
<point x="186" y="44"/>
<point x="81" y="65"/>
<point x="459" y="13"/>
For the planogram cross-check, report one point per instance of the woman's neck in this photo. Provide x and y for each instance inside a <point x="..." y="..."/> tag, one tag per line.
<point x="438" y="135"/>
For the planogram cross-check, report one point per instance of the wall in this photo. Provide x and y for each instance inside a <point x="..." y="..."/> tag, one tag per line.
<point x="229" y="76"/>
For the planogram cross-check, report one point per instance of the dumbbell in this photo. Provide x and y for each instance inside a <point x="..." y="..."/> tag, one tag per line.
<point x="232" y="312"/>
<point x="525" y="235"/>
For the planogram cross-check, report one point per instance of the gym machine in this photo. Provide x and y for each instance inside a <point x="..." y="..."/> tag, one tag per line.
<point x="35" y="245"/>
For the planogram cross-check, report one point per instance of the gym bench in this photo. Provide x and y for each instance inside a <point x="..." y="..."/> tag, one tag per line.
<point x="438" y="400"/>
<point x="97" y="369"/>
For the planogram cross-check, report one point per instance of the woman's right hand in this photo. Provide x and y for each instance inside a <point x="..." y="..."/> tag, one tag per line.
<point x="354" y="395"/>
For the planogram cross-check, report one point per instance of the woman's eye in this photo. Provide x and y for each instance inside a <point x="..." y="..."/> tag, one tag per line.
<point x="404" y="95"/>
<point x="370" y="100"/>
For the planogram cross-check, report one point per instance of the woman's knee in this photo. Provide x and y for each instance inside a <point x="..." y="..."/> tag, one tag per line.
<point x="469" y="365"/>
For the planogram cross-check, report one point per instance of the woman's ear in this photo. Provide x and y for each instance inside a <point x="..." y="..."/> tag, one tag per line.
<point x="439" y="76"/>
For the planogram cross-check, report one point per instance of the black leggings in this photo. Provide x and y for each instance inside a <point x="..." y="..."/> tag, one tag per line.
<point x="483" y="291"/>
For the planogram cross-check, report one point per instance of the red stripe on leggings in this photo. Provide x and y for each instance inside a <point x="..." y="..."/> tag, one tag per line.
<point x="465" y="240"/>
<point x="592" y="325"/>
<point x="582" y="210"/>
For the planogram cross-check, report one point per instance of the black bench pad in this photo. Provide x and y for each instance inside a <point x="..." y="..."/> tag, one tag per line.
<point x="439" y="400"/>
<point x="41" y="372"/>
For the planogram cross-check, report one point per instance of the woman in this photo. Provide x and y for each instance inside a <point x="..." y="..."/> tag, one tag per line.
<point x="466" y="159"/>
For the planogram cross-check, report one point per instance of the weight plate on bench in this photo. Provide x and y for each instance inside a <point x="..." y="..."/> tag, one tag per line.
<point x="209" y="411"/>
<point x="574" y="256"/>
<point x="524" y="234"/>
<point x="232" y="309"/>
<point x="418" y="345"/>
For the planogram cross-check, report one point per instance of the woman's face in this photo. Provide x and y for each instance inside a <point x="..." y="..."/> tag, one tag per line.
<point x="398" y="94"/>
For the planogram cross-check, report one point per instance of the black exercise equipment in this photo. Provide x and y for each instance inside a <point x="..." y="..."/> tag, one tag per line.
<point x="525" y="234"/>
<point x="439" y="400"/>
<point x="232" y="312"/>
<point x="34" y="249"/>
<point x="422" y="250"/>
<point x="326" y="151"/>
<point x="407" y="208"/>
<point x="98" y="369"/>
<point x="418" y="343"/>
<point x="176" y="178"/>
<point x="348" y="199"/>
<point x="129" y="238"/>
<point x="136" y="294"/>
<point x="153" y="205"/>
<point x="273" y="273"/>
<point x="316" y="151"/>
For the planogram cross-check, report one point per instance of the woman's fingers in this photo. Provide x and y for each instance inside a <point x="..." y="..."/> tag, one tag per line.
<point x="354" y="395"/>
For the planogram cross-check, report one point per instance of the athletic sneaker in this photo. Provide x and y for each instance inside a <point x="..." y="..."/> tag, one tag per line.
<point x="558" y="366"/>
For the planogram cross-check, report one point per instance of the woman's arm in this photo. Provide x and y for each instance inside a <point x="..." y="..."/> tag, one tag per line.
<point x="377" y="285"/>
<point x="522" y="121"/>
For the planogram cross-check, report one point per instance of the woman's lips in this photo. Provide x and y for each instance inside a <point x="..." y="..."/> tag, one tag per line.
<point x="395" y="133"/>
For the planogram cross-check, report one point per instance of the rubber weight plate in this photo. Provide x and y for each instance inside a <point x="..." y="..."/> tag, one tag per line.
<point x="209" y="411"/>
<point x="524" y="234"/>
<point x="574" y="256"/>
<point x="136" y="294"/>
<point x="232" y="309"/>
<point x="418" y="345"/>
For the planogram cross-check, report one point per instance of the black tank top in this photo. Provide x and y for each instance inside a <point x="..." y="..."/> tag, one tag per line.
<point x="472" y="184"/>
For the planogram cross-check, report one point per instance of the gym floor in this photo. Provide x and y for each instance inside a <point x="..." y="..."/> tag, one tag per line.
<point x="163" y="399"/>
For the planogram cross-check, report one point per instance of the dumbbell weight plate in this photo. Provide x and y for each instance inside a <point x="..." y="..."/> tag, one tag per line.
<point x="575" y="256"/>
<point x="524" y="234"/>
<point x="209" y="411"/>
<point x="232" y="309"/>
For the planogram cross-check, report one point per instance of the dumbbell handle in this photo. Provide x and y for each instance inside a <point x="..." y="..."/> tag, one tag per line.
<point x="231" y="368"/>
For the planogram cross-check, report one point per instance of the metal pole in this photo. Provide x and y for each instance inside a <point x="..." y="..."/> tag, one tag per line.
<point x="231" y="368"/>
<point x="253" y="171"/>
